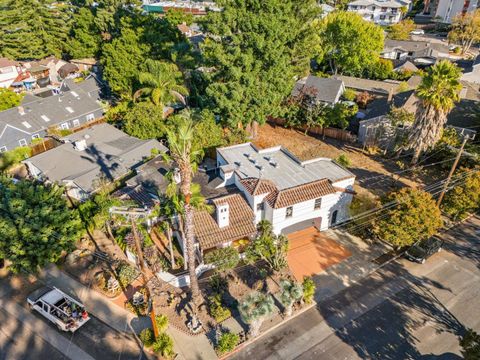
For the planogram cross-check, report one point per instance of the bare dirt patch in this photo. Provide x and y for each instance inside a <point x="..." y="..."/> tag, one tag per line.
<point x="373" y="172"/>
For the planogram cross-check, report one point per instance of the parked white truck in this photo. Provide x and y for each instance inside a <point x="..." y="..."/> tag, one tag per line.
<point x="64" y="311"/>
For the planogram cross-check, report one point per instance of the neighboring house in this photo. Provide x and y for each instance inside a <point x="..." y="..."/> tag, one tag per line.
<point x="192" y="7"/>
<point x="193" y="33"/>
<point x="472" y="74"/>
<point x="380" y="12"/>
<point x="77" y="104"/>
<point x="9" y="71"/>
<point x="45" y="71"/>
<point x="421" y="53"/>
<point x="326" y="9"/>
<point x="324" y="90"/>
<point x="86" y="64"/>
<point x="445" y="10"/>
<point x="91" y="158"/>
<point x="405" y="66"/>
<point x="374" y="87"/>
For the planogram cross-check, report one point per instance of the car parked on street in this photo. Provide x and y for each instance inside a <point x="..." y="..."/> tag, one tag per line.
<point x="422" y="250"/>
<point x="64" y="311"/>
<point x="417" y="32"/>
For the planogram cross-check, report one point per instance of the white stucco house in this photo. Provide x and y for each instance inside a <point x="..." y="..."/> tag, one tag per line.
<point x="379" y="11"/>
<point x="290" y="193"/>
<point x="9" y="71"/>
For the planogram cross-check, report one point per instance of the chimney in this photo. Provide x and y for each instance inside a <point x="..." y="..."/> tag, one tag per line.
<point x="223" y="216"/>
<point x="80" y="145"/>
<point x="390" y="96"/>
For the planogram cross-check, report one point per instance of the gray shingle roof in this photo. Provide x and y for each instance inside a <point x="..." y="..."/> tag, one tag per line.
<point x="324" y="89"/>
<point x="110" y="153"/>
<point x="54" y="108"/>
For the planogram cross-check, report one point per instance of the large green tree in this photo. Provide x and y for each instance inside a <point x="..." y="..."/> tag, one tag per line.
<point x="85" y="39"/>
<point x="350" y="45"/>
<point x="36" y="225"/>
<point x="256" y="50"/>
<point x="414" y="216"/>
<point x="465" y="30"/>
<point x="123" y="57"/>
<point x="464" y="197"/>
<point x="33" y="29"/>
<point x="145" y="121"/>
<point x="438" y="93"/>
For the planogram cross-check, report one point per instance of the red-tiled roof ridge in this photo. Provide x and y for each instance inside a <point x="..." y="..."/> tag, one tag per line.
<point x="312" y="190"/>
<point x="256" y="186"/>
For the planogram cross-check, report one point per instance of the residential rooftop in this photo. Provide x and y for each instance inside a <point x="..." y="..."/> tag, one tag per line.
<point x="108" y="154"/>
<point x="280" y="166"/>
<point x="323" y="89"/>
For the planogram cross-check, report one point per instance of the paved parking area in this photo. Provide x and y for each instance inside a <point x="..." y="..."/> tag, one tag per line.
<point x="311" y="252"/>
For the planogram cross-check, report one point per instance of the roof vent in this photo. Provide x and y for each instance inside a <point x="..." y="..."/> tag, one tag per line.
<point x="80" y="145"/>
<point x="21" y="110"/>
<point x="86" y="136"/>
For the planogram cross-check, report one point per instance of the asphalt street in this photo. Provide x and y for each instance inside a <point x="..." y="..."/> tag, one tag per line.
<point x="403" y="311"/>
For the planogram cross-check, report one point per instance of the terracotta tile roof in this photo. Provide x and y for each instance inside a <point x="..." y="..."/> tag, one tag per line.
<point x="297" y="194"/>
<point x="241" y="225"/>
<point x="258" y="186"/>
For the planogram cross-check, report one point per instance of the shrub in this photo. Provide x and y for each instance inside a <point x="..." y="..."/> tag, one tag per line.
<point x="349" y="94"/>
<point x="147" y="337"/>
<point x="13" y="157"/>
<point x="343" y="160"/>
<point x="217" y="310"/>
<point x="227" y="342"/>
<point x="126" y="274"/>
<point x="164" y="346"/>
<point x="308" y="289"/>
<point x="224" y="259"/>
<point x="162" y="323"/>
<point x="218" y="284"/>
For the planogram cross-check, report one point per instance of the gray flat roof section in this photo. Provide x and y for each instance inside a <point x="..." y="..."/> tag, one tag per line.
<point x="289" y="171"/>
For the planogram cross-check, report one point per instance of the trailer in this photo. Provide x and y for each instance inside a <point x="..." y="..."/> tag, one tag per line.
<point x="64" y="311"/>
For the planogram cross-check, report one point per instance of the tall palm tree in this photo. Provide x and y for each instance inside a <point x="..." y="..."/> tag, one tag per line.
<point x="161" y="83"/>
<point x="437" y="93"/>
<point x="185" y="156"/>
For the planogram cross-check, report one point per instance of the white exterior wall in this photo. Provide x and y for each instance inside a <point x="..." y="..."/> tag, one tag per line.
<point x="377" y="14"/>
<point x="448" y="9"/>
<point x="7" y="76"/>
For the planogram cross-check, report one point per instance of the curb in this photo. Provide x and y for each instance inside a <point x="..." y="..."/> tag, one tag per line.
<point x="251" y="341"/>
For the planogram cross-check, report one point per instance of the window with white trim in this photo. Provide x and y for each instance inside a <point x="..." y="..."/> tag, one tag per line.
<point x="90" y="117"/>
<point x="260" y="206"/>
<point x="69" y="109"/>
<point x="76" y="123"/>
<point x="318" y="204"/>
<point x="22" y="142"/>
<point x="289" y="212"/>
<point x="64" y="126"/>
<point x="3" y="149"/>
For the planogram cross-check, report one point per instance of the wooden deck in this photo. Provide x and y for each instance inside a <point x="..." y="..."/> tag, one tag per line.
<point x="311" y="252"/>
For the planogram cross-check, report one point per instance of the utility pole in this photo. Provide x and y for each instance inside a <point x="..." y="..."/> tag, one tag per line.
<point x="452" y="170"/>
<point x="132" y="214"/>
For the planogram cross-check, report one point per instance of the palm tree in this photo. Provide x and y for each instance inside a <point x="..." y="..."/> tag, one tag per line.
<point x="185" y="157"/>
<point x="290" y="292"/>
<point x="254" y="309"/>
<point x="161" y="83"/>
<point x="438" y="93"/>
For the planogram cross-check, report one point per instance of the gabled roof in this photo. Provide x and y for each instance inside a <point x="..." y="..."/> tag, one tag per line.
<point x="287" y="197"/>
<point x="256" y="186"/>
<point x="109" y="154"/>
<point x="4" y="62"/>
<point x="375" y="86"/>
<point x="323" y="89"/>
<point x="390" y="3"/>
<point x="241" y="223"/>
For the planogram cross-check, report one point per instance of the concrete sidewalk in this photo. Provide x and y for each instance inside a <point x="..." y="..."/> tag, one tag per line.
<point x="98" y="305"/>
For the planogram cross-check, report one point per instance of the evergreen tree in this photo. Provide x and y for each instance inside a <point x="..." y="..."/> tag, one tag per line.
<point x="85" y="39"/>
<point x="36" y="225"/>
<point x="33" y="29"/>
<point x="257" y="48"/>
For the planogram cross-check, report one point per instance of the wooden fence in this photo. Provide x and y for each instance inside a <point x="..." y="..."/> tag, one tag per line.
<point x="45" y="145"/>
<point x="333" y="133"/>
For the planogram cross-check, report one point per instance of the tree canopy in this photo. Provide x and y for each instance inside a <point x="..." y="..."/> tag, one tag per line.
<point x="465" y="195"/>
<point x="350" y="45"/>
<point x="145" y="121"/>
<point x="36" y="225"/>
<point x="9" y="99"/>
<point x="85" y="39"/>
<point x="256" y="50"/>
<point x="465" y="30"/>
<point x="401" y="30"/>
<point x="33" y="29"/>
<point x="415" y="217"/>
